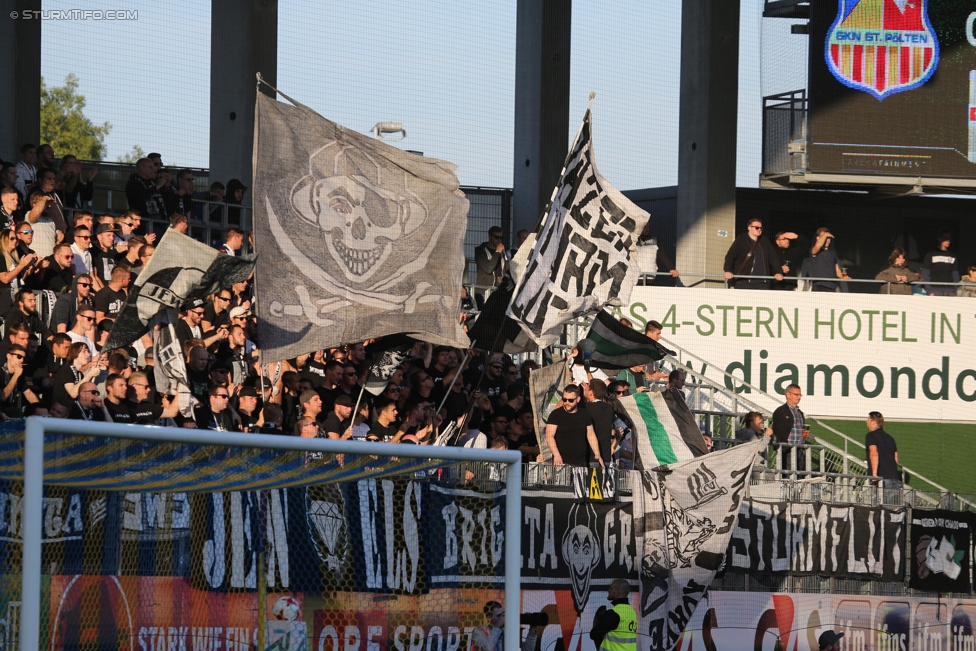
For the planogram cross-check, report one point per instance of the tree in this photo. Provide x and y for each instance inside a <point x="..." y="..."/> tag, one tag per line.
<point x="133" y="156"/>
<point x="64" y="125"/>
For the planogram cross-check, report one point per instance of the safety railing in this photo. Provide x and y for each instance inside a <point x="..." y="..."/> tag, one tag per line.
<point x="842" y="459"/>
<point x="804" y="283"/>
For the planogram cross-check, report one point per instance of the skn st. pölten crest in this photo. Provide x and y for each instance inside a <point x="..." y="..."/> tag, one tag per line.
<point x="882" y="46"/>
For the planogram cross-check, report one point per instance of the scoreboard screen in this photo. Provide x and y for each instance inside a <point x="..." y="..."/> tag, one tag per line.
<point x="893" y="88"/>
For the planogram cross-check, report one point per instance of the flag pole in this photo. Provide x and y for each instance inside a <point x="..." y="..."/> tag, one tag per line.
<point x="454" y="379"/>
<point x="362" y="390"/>
<point x="481" y="378"/>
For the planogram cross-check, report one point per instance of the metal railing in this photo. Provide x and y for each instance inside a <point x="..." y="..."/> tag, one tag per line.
<point x="842" y="460"/>
<point x="805" y="282"/>
<point x="784" y="132"/>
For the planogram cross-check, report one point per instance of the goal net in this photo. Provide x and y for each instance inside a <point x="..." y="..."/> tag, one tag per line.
<point x="127" y="538"/>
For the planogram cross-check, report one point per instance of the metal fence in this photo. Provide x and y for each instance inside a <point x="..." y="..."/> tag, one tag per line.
<point x="784" y="132"/>
<point x="210" y="219"/>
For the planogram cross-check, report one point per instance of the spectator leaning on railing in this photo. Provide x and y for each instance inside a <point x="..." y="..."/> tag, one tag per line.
<point x="898" y="278"/>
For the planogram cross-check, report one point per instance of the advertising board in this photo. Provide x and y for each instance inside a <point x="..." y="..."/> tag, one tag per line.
<point x="909" y="357"/>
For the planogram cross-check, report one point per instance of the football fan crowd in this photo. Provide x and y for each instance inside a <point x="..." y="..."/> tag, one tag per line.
<point x="65" y="273"/>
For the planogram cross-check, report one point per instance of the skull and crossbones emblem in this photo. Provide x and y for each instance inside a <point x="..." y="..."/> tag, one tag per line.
<point x="359" y="206"/>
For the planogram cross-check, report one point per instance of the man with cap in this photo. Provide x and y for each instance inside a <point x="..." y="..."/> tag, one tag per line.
<point x="311" y="404"/>
<point x="830" y="641"/>
<point x="338" y="424"/>
<point x="189" y="326"/>
<point x="247" y="408"/>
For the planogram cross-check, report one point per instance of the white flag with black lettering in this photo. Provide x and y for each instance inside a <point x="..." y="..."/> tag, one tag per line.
<point x="581" y="256"/>
<point x="689" y="511"/>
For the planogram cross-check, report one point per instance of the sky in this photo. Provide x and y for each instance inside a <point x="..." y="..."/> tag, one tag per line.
<point x="445" y="69"/>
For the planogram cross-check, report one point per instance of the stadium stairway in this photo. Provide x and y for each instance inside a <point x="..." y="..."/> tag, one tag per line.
<point x="720" y="411"/>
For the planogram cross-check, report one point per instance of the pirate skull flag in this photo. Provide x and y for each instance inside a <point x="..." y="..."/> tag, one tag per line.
<point x="359" y="239"/>
<point x="581" y="256"/>
<point x="180" y="269"/>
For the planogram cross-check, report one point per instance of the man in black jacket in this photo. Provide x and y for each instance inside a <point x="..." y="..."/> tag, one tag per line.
<point x="492" y="262"/>
<point x="789" y="426"/>
<point x="752" y="255"/>
<point x="144" y="191"/>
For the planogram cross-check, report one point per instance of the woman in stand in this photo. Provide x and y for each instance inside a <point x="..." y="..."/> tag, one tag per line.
<point x="897" y="276"/>
<point x="12" y="267"/>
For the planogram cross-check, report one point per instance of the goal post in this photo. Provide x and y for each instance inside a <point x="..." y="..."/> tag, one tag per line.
<point x="33" y="518"/>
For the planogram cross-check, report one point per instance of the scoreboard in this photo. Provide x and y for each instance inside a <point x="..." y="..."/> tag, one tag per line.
<point x="893" y="88"/>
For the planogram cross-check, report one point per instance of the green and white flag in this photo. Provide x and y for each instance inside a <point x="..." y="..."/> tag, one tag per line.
<point x="619" y="347"/>
<point x="656" y="436"/>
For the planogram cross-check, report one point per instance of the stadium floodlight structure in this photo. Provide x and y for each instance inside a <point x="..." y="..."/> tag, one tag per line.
<point x="36" y="428"/>
<point x="381" y="129"/>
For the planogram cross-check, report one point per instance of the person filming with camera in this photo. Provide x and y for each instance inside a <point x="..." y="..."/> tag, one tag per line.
<point x="490" y="636"/>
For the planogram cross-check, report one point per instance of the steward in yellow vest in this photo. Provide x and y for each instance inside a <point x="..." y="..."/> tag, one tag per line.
<point x="616" y="629"/>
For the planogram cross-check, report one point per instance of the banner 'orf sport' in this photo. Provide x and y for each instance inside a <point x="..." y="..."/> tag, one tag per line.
<point x="360" y="239"/>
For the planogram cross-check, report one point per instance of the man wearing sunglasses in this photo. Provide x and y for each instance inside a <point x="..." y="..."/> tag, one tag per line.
<point x="88" y="405"/>
<point x="752" y="255"/>
<point x="81" y="247"/>
<point x="144" y="411"/>
<point x="14" y="394"/>
<point x="84" y="329"/>
<point x="59" y="271"/>
<point x="216" y="414"/>
<point x="570" y="434"/>
<point x="63" y="315"/>
<point x="103" y="254"/>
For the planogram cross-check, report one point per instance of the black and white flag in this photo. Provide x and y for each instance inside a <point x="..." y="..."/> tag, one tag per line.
<point x="170" y="366"/>
<point x="359" y="239"/>
<point x="687" y="516"/>
<point x="581" y="256"/>
<point x="384" y="357"/>
<point x="180" y="269"/>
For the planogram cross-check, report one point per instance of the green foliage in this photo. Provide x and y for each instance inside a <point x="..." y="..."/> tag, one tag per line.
<point x="64" y="125"/>
<point x="133" y="156"/>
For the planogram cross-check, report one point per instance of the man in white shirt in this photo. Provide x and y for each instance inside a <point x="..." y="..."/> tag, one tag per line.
<point x="26" y="170"/>
<point x="81" y="247"/>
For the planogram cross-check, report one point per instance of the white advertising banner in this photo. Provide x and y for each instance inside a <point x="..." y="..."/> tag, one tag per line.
<point x="909" y="357"/>
<point x="764" y="621"/>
